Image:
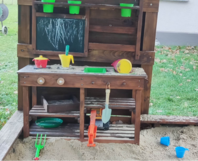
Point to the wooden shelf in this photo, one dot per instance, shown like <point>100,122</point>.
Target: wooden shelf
<point>114,103</point>
<point>115,132</point>
<point>89,5</point>
<point>41,112</point>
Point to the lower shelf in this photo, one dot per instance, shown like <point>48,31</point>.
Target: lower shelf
<point>116,132</point>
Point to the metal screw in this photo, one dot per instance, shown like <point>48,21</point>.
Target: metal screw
<point>22,50</point>
<point>92,82</point>
<point>150,57</point>
<point>139,80</point>
<point>151,4</point>
<point>124,83</point>
<point>81,78</point>
<point>81,84</point>
<point>24,82</point>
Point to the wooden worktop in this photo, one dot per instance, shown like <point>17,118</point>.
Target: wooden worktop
<point>79,70</point>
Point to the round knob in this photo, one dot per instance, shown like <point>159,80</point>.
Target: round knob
<point>60,81</point>
<point>40,80</point>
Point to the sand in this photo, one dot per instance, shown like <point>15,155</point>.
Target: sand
<point>149,148</point>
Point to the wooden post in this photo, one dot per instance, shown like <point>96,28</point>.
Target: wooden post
<point>26,108</point>
<point>82,104</point>
<point>132,112</point>
<point>137,116</point>
<point>34,96</point>
<point>23,37</point>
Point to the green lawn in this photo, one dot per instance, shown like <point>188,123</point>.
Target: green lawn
<point>174,85</point>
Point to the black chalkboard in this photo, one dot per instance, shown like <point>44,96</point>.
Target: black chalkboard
<point>53,34</point>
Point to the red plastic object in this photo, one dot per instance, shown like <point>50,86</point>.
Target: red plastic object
<point>40,63</point>
<point>36,158</point>
<point>114,64</point>
<point>92,129</point>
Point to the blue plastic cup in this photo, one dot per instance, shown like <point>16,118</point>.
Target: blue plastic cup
<point>165,140</point>
<point>180,151</point>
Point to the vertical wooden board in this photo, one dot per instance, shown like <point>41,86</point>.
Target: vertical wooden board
<point>137,116</point>
<point>82,119</point>
<point>148,45</point>
<point>23,37</point>
<point>34,96</point>
<point>26,108</point>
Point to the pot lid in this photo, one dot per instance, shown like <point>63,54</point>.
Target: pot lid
<point>41,58</point>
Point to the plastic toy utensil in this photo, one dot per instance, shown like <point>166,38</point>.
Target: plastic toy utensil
<point>39,146</point>
<point>67,50</point>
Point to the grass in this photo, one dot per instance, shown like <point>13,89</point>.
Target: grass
<point>174,84</point>
<point>8,67</point>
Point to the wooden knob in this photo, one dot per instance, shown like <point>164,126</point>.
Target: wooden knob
<point>40,80</point>
<point>60,81</point>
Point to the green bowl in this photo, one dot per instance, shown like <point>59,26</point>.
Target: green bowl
<point>95,70</point>
<point>49,122</point>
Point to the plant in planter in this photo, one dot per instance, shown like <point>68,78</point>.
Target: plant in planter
<point>48,8</point>
<point>74,9</point>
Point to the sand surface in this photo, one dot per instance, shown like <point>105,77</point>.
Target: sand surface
<point>149,148</point>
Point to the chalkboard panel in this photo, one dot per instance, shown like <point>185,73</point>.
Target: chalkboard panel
<point>53,34</point>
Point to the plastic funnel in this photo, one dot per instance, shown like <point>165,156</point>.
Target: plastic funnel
<point>180,151</point>
<point>74,9</point>
<point>165,140</point>
<point>126,12</point>
<point>48,8</point>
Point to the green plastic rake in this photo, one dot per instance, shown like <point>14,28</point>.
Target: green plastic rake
<point>39,146</point>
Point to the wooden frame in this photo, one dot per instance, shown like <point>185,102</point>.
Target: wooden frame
<point>86,32</point>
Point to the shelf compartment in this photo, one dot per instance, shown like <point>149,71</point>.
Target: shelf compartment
<point>116,132</point>
<point>39,111</point>
<point>114,103</point>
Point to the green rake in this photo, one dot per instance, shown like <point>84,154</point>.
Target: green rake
<point>39,146</point>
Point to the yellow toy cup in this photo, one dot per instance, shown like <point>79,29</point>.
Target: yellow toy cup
<point>66,59</point>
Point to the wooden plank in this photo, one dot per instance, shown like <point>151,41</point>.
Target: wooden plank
<point>169,120</point>
<point>139,31</point>
<point>151,5</point>
<point>148,44</point>
<point>137,116</point>
<point>113,29</point>
<point>33,27</point>
<point>112,2</point>
<point>116,47</point>
<point>23,37</point>
<point>146,57</point>
<point>10,132</point>
<point>26,108</point>
<point>86,39</point>
<point>34,96</point>
<point>54,15</point>
<point>82,119</point>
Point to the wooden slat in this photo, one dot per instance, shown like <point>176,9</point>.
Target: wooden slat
<point>10,132</point>
<point>53,15</point>
<point>86,39</point>
<point>112,29</point>
<point>112,2</point>
<point>41,112</point>
<point>82,118</point>
<point>117,47</point>
<point>146,57</point>
<point>169,120</point>
<point>26,108</point>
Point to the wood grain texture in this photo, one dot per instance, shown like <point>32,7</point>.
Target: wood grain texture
<point>137,116</point>
<point>34,96</point>
<point>86,38</point>
<point>26,108</point>
<point>148,44</point>
<point>10,132</point>
<point>82,117</point>
<point>151,6</point>
<point>116,47</point>
<point>146,57</point>
<point>23,37</point>
<point>112,29</point>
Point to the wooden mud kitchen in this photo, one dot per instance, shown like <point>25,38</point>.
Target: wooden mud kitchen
<point>104,31</point>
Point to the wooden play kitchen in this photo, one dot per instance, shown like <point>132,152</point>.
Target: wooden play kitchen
<point>101,33</point>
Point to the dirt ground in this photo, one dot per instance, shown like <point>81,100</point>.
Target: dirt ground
<point>149,148</point>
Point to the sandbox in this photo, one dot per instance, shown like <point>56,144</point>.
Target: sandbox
<point>149,148</point>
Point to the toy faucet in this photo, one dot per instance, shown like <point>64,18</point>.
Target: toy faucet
<point>66,58</point>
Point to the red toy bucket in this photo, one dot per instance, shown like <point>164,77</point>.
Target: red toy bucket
<point>114,64</point>
<point>41,62</point>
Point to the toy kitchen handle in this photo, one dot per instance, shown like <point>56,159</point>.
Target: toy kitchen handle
<point>72,58</point>
<point>107,96</point>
